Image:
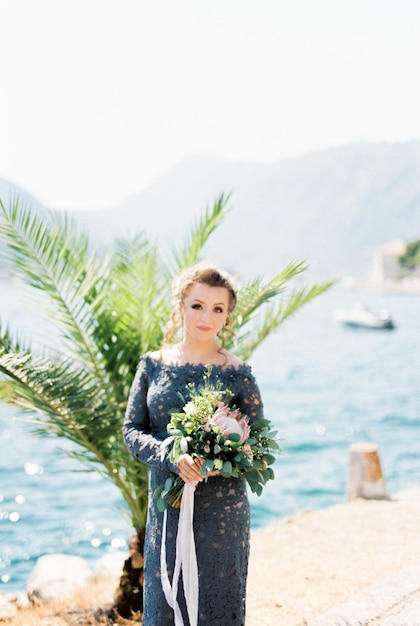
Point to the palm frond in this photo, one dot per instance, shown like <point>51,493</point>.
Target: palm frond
<point>53,258</point>
<point>138,305</point>
<point>274,314</point>
<point>201,232</point>
<point>257,293</point>
<point>63,401</point>
<point>66,397</point>
<point>145,282</point>
<point>11,342</point>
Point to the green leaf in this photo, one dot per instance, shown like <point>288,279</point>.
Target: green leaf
<point>161,505</point>
<point>201,232</point>
<point>226,469</point>
<point>252,441</point>
<point>269,458</point>
<point>207,466</point>
<point>168,484</point>
<point>158,491</point>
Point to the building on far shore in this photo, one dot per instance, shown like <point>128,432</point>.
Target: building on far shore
<point>386,265</point>
<point>387,273</point>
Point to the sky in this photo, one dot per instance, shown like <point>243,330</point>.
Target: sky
<point>98,98</point>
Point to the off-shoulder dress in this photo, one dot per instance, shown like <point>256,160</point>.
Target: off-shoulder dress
<point>221,509</point>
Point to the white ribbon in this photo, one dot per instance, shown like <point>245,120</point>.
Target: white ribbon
<point>185,559</point>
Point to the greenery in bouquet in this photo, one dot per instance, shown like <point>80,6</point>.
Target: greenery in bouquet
<point>210,428</point>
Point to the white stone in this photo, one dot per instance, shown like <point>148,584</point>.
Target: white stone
<point>8,609</point>
<point>57,577</point>
<point>110,565</point>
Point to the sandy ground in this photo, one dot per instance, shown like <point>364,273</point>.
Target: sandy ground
<point>299,567</point>
<point>307,564</point>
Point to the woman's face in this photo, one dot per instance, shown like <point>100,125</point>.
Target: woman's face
<point>204,311</point>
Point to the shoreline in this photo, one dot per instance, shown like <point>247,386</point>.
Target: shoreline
<point>300,567</point>
<point>389,287</point>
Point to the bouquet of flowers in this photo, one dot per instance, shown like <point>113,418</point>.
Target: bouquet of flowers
<point>208,427</point>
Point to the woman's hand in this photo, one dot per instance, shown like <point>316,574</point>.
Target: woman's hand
<point>190,469</point>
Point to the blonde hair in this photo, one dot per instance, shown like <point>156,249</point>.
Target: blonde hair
<point>203,273</point>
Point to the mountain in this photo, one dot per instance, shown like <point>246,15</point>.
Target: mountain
<point>10,191</point>
<point>332,208</point>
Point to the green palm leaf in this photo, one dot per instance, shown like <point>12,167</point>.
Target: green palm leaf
<point>257,292</point>
<point>201,232</point>
<point>63,400</point>
<point>111,306</point>
<point>263,306</point>
<point>53,258</point>
<point>271,316</point>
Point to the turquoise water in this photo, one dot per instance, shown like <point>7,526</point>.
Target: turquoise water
<point>323,386</point>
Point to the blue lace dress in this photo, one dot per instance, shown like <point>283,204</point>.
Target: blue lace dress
<point>221,508</point>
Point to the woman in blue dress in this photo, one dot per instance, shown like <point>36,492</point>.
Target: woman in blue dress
<point>205,297</point>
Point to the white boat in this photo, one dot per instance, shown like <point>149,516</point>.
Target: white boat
<point>359,316</point>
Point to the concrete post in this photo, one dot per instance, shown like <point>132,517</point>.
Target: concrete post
<point>365,479</point>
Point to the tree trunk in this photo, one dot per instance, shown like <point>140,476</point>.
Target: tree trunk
<point>128,598</point>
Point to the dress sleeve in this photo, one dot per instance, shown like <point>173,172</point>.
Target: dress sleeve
<point>250,401</point>
<point>137,428</point>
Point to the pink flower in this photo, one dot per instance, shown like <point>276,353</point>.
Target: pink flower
<point>248,451</point>
<point>229,422</point>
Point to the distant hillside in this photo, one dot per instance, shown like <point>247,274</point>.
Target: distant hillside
<point>332,207</point>
<point>9,191</point>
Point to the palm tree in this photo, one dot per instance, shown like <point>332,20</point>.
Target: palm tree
<point>109,306</point>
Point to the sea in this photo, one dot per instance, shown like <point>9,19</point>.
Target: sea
<point>324,387</point>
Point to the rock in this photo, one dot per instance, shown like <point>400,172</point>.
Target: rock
<point>57,577</point>
<point>110,566</point>
<point>8,609</point>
